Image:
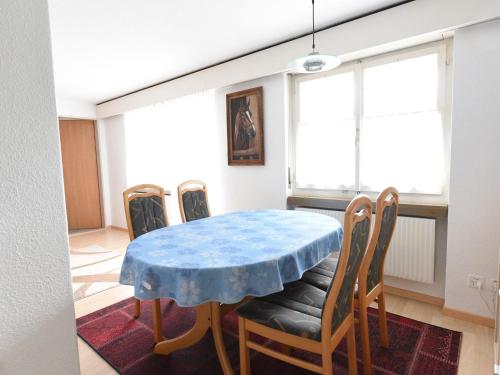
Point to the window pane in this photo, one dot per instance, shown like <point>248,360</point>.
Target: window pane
<point>401,87</point>
<point>325,156</point>
<point>405,151</point>
<point>325,143</point>
<point>327,99</point>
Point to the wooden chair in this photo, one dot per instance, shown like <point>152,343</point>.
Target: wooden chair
<point>370,286</point>
<point>193,200</point>
<point>145,211</point>
<point>303,316</point>
<point>371,272</point>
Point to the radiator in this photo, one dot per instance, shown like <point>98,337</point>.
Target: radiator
<point>411,253</point>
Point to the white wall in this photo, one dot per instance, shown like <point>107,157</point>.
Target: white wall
<point>256,187</point>
<point>137,149</point>
<point>75,109</point>
<point>474,214</point>
<point>37,326</point>
<point>111,133</point>
<point>411,23</point>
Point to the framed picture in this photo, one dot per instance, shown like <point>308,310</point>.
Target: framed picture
<point>245,127</point>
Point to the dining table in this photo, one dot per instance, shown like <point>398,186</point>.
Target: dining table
<point>216,263</point>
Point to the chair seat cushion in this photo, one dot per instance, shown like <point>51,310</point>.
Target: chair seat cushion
<point>293,305</point>
<point>315,279</point>
<point>321,271</point>
<point>295,310</point>
<point>329,264</point>
<point>321,275</point>
<point>322,282</point>
<point>303,293</point>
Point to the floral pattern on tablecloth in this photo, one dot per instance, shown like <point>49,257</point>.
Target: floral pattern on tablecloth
<point>225,258</point>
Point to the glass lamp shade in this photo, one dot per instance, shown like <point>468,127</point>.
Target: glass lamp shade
<point>314,63</point>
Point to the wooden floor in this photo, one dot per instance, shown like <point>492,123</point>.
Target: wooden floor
<point>476,357</point>
<point>111,239</point>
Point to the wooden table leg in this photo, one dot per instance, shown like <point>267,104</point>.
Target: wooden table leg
<point>227,308</point>
<point>189,338</point>
<point>215,312</point>
<point>157,321</point>
<point>137,308</point>
<point>207,315</point>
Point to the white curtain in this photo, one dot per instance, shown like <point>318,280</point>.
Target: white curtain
<point>175,141</point>
<point>398,106</point>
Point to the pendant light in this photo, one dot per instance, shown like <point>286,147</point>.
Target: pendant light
<point>314,62</point>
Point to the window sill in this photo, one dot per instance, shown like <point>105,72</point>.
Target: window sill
<point>433,211</point>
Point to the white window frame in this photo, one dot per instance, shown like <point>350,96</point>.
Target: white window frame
<point>444,50</point>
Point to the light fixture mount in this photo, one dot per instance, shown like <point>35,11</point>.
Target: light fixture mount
<point>314,62</point>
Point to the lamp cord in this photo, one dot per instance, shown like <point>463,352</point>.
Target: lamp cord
<point>314,44</point>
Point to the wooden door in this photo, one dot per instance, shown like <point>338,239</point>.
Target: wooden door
<point>81,176</point>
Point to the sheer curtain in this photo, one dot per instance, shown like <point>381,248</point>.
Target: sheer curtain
<point>401,129</point>
<point>175,141</point>
<point>325,139</point>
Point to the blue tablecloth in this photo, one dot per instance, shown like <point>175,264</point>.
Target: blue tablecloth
<point>225,258</point>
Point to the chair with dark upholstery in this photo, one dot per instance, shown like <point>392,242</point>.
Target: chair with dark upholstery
<point>309,318</point>
<point>371,272</point>
<point>370,286</point>
<point>145,211</point>
<point>193,200</point>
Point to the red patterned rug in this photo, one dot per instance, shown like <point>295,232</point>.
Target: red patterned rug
<point>126,344</point>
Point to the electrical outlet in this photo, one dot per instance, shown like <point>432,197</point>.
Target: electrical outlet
<point>475,281</point>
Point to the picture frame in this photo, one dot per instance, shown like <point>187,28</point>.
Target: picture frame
<point>245,127</point>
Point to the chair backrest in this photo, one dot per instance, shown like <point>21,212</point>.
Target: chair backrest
<point>339,296</point>
<point>193,200</point>
<point>371,272</point>
<point>144,209</point>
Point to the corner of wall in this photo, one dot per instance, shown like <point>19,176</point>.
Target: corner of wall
<point>77,109</point>
<point>473,221</point>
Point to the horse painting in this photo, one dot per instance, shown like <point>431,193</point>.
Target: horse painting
<point>244,126</point>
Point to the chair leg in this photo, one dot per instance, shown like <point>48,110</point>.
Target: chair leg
<point>351,351</point>
<point>286,349</point>
<point>326,359</point>
<point>382,319</point>
<point>244,351</point>
<point>365,338</point>
<point>137,308</point>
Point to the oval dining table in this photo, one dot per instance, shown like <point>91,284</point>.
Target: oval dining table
<point>214,264</point>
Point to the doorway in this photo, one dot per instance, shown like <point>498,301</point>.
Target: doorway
<point>81,174</point>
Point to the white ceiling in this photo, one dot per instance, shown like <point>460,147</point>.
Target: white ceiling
<point>106,48</point>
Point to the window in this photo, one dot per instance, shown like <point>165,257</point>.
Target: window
<point>325,132</point>
<point>374,123</point>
